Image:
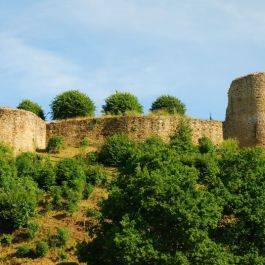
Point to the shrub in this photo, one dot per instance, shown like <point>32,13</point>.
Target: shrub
<point>71,104</point>
<point>62,236</point>
<point>95,175</point>
<point>23,251</point>
<point>71,177</point>
<point>7,169</point>
<point>116,150</point>
<point>70,171</point>
<point>41,249</point>
<point>88,191</point>
<point>170,104</point>
<point>182,139</point>
<point>37,167</point>
<point>32,230</point>
<point>5,150</point>
<point>18,202</point>
<point>93,213</point>
<point>206,145</point>
<point>120,103</point>
<point>91,158</point>
<point>32,107</point>
<point>84,142</point>
<point>55,144</point>
<point>6,239</point>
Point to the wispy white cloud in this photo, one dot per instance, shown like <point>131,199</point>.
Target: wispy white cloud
<point>31,65</point>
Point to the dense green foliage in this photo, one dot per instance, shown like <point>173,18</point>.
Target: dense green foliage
<point>70,104</point>
<point>38,168</point>
<point>121,103</point>
<point>170,104</point>
<point>30,179</point>
<point>55,144</point>
<point>28,105</point>
<point>18,202</point>
<point>41,249</point>
<point>179,203</point>
<point>116,150</point>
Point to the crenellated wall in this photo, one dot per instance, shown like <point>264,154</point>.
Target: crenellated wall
<point>139,128</point>
<point>22,130</point>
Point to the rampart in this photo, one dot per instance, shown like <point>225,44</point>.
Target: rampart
<point>245,121</point>
<point>139,128</point>
<point>22,130</point>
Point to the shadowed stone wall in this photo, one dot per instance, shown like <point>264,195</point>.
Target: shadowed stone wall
<point>139,128</point>
<point>22,130</point>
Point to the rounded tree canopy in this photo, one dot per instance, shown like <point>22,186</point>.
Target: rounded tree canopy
<point>28,105</point>
<point>72,103</point>
<point>120,103</point>
<point>170,104</point>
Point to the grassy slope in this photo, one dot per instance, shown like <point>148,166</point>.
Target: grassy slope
<point>77,224</point>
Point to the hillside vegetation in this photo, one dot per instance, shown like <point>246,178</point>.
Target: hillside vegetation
<point>133,203</point>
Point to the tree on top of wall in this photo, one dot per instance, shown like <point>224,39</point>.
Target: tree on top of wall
<point>28,105</point>
<point>72,103</point>
<point>122,103</point>
<point>169,104</point>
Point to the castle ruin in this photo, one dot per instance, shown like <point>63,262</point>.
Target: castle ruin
<point>245,121</point>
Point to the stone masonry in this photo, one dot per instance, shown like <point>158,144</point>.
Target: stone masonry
<point>245,121</point>
<point>245,115</point>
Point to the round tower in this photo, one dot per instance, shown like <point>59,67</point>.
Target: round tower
<point>245,114</point>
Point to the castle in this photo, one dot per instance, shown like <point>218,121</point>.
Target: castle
<point>245,121</point>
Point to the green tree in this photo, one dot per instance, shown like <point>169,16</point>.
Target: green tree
<point>72,104</point>
<point>28,105</point>
<point>18,203</point>
<point>120,103</point>
<point>156,213</point>
<point>182,139</point>
<point>206,145</point>
<point>38,168</point>
<point>116,150</point>
<point>170,104</point>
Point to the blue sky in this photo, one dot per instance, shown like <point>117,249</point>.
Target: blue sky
<point>192,49</point>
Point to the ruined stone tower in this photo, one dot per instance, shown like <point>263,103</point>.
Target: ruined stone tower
<point>245,115</point>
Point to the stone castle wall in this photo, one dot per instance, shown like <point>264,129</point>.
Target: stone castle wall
<point>139,128</point>
<point>22,130</point>
<point>245,121</point>
<point>245,115</point>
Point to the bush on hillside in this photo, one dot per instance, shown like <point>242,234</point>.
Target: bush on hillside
<point>182,139</point>
<point>206,145</point>
<point>170,104</point>
<point>28,105</point>
<point>116,150</point>
<point>24,251</point>
<point>41,249</point>
<point>120,103</point>
<point>95,174</point>
<point>37,167</point>
<point>18,202</point>
<point>71,179</point>
<point>55,144</point>
<point>61,237</point>
<point>32,230</point>
<point>8,170</point>
<point>72,104</point>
